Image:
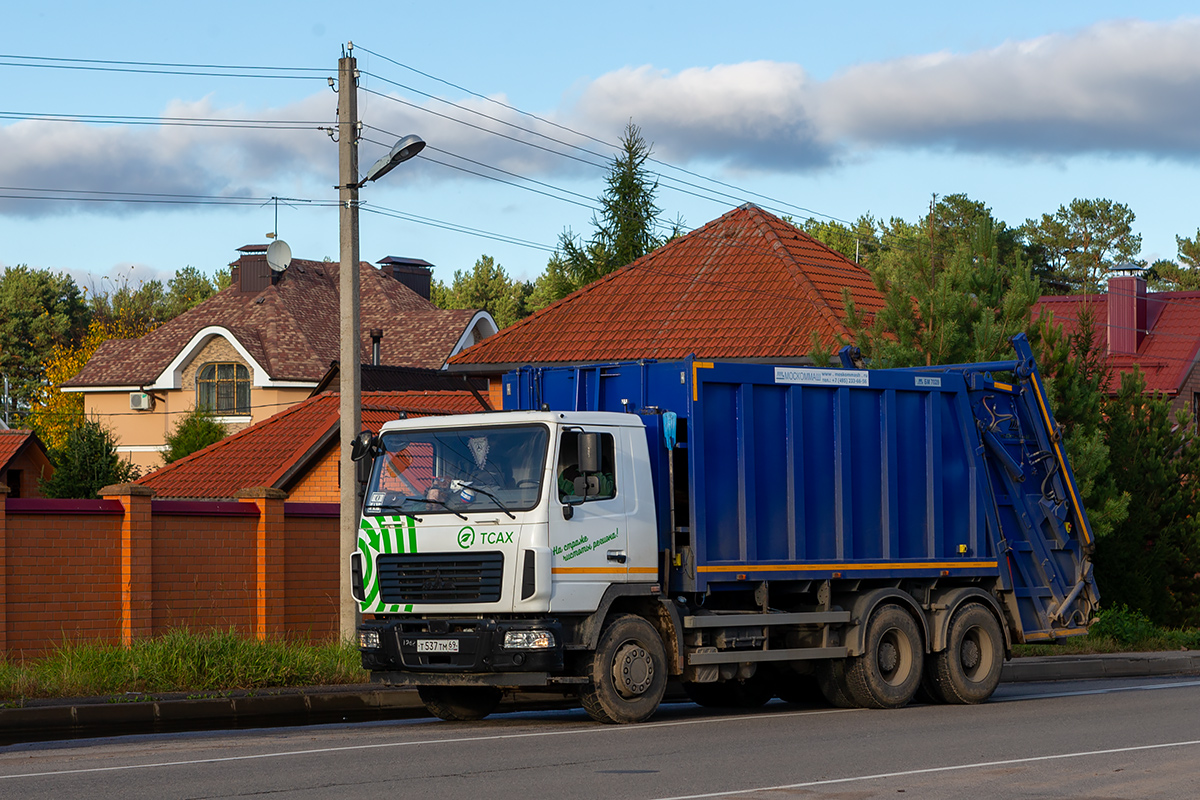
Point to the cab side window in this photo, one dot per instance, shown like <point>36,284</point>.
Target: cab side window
<point>574,486</point>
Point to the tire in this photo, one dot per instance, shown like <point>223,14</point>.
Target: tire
<point>888,673</point>
<point>628,672</point>
<point>831,680</point>
<point>460,703</point>
<point>968,670</point>
<point>754,692</point>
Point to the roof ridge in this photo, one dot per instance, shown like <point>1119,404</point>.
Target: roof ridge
<point>798,275</point>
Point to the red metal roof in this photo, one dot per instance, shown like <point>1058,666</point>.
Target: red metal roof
<point>276,449</point>
<point>1170,345</point>
<point>747,285</point>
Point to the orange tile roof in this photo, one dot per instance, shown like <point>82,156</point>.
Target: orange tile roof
<point>271,452</point>
<point>12,442</point>
<point>1171,344</point>
<point>290,328</point>
<point>747,285</point>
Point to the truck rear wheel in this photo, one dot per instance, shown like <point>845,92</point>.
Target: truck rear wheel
<point>888,672</point>
<point>628,672</point>
<point>968,670</point>
<point>831,680</point>
<point>460,703</point>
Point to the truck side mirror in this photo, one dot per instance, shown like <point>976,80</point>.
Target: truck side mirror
<point>589,453</point>
<point>364,445</point>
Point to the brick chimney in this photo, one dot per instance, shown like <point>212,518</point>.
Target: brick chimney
<point>1126,313</point>
<point>412,272</point>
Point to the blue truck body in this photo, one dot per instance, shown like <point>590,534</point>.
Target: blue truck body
<point>784,473</point>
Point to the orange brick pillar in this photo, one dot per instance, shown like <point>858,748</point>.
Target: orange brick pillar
<point>136,571</point>
<point>268,617</point>
<point>3,573</point>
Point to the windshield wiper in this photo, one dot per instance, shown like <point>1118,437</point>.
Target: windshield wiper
<point>441,503</point>
<point>489,494</point>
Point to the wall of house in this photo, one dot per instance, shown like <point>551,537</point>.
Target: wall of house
<point>129,566</point>
<point>142,435</point>
<point>33,467</point>
<point>1183,400</point>
<point>321,483</point>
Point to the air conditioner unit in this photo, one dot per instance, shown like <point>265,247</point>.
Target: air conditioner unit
<point>141,401</point>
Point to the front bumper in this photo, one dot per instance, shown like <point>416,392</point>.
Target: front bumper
<point>457,646</point>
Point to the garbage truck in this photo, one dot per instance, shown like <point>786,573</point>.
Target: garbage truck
<point>740,530</point>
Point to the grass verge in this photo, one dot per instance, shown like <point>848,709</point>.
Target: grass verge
<point>1117,630</point>
<point>179,661</point>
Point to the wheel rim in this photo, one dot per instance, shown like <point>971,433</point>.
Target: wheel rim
<point>894,657</point>
<point>976,654</point>
<point>633,670</point>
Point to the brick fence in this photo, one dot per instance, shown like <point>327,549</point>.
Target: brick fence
<point>129,566</point>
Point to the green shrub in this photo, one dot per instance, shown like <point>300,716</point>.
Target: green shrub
<point>1123,626</point>
<point>194,431</point>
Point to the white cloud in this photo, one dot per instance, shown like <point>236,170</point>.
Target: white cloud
<point>1123,88</point>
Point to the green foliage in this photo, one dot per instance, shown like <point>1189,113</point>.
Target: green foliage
<point>1122,626</point>
<point>180,661</point>
<point>486,287</point>
<point>38,310</point>
<point>194,431</point>
<point>149,303</point>
<point>1151,560</point>
<point>623,232</point>
<point>1184,276</point>
<point>950,297</point>
<point>86,463</point>
<point>858,242</point>
<point>1084,241</point>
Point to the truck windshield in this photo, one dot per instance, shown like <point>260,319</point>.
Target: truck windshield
<point>457,470</point>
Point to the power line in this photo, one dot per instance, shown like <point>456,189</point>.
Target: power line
<point>191,122</point>
<point>162,68</point>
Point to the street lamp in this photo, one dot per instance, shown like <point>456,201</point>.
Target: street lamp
<point>350,386</point>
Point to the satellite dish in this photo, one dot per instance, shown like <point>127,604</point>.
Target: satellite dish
<point>279,255</point>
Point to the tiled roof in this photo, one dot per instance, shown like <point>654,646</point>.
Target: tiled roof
<point>271,451</point>
<point>747,285</point>
<point>1171,344</point>
<point>12,443</point>
<point>290,328</point>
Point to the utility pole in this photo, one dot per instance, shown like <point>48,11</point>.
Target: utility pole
<point>349,369</point>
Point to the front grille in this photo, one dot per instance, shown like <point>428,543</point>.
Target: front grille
<point>440,577</point>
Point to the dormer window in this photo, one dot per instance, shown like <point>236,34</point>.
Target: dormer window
<point>224,389</point>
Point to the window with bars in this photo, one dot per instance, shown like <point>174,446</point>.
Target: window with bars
<point>223,388</point>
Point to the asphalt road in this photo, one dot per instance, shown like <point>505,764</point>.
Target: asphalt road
<point>1132,738</point>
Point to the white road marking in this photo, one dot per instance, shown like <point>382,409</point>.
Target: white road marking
<point>601,729</point>
<point>930,770</point>
<point>1082,692</point>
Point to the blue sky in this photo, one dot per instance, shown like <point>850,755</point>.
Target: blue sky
<point>832,109</point>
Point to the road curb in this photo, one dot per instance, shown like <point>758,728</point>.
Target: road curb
<point>145,714</point>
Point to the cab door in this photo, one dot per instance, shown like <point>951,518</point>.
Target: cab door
<point>588,535</point>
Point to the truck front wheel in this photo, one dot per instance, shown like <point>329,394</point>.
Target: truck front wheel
<point>968,670</point>
<point>628,672</point>
<point>460,703</point>
<point>888,673</point>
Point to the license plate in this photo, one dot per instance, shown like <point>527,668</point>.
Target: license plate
<point>437,645</point>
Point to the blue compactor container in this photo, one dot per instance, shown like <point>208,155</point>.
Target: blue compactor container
<point>933,481</point>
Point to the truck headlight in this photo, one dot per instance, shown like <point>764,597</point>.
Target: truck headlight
<point>368,640</point>
<point>528,640</point>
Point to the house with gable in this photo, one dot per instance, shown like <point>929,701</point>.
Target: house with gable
<point>264,344</point>
<point>23,463</point>
<point>1158,332</point>
<point>747,286</point>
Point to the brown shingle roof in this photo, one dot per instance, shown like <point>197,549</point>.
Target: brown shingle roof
<point>271,452</point>
<point>290,328</point>
<point>745,286</point>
